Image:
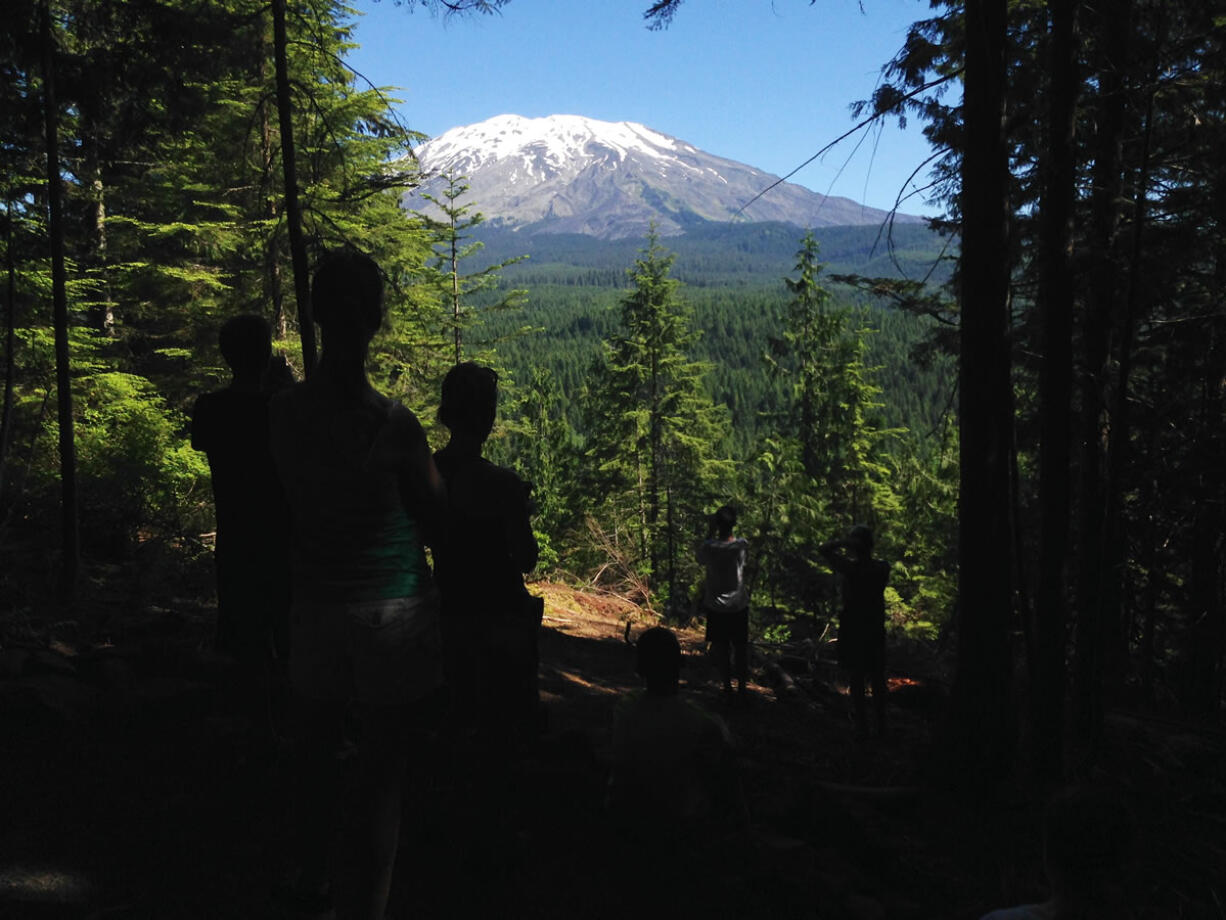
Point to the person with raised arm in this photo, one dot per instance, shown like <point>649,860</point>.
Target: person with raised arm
<point>861,647</point>
<point>725,598</point>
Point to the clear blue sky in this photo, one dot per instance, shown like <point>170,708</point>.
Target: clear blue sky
<point>765,82</point>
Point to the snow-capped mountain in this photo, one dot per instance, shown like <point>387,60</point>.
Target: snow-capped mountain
<point>570,174</point>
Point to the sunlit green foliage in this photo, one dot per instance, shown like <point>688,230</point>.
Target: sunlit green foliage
<point>175,224</point>
<point>634,413</point>
<point>652,432</point>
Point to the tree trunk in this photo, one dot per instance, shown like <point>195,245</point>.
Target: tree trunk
<point>1148,563</point>
<point>103,312</point>
<point>10,346</point>
<point>1055,391</point>
<point>274,289</point>
<point>455,287</point>
<point>1021,576</point>
<point>671,550</point>
<point>1112,624</point>
<point>653,487</point>
<point>70,535</point>
<point>983,727</point>
<point>293,212</point>
<point>1112,26</point>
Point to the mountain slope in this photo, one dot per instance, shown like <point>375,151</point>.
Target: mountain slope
<point>569,174</point>
<point>715,255</point>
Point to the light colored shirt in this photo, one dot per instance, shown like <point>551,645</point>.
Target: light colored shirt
<point>724,585</point>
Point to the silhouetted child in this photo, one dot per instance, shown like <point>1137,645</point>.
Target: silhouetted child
<point>251,556</point>
<point>861,647</point>
<point>725,598</point>
<point>1087,838</point>
<point>673,770</point>
<point>364,499</point>
<point>674,802</point>
<point>490,621</point>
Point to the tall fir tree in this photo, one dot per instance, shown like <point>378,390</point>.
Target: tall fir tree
<point>834,399</point>
<point>453,244</point>
<point>543,449</point>
<point>824,466</point>
<point>653,432</point>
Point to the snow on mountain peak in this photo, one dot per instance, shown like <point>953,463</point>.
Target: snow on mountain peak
<point>554,139</point>
<point>571,174</point>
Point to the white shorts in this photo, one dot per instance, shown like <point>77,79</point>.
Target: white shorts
<point>382,652</point>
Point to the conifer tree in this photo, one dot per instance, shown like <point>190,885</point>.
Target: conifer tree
<point>653,430</point>
<point>452,244</point>
<point>825,467</point>
<point>833,396</point>
<point>543,448</point>
<point>173,223</point>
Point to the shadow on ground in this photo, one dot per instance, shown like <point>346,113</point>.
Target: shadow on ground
<point>127,792</point>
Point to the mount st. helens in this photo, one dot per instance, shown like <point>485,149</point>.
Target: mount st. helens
<point>570,174</point>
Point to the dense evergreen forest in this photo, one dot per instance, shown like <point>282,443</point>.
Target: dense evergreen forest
<point>1024,401</point>
<point>572,306</point>
<point>167,236</point>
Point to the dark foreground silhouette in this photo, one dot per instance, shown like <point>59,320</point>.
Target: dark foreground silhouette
<point>490,621</point>
<point>862,623</point>
<point>231,427</point>
<point>364,499</point>
<point>125,794</point>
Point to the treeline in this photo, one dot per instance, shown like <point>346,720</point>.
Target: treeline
<point>751,255</point>
<point>647,408</point>
<point>735,329</point>
<point>170,159</point>
<point>1082,163</point>
<point>143,186</point>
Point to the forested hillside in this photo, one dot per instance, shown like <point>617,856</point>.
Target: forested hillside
<point>736,326</point>
<point>173,218</point>
<point>732,281</point>
<point>1027,410</point>
<point>723,255</point>
<point>167,236</point>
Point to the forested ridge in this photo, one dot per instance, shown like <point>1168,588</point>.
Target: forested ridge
<point>167,236</point>
<point>1025,401</point>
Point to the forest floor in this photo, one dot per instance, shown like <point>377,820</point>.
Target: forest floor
<point>126,792</point>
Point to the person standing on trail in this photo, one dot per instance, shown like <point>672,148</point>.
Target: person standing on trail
<point>725,598</point>
<point>487,546</point>
<point>231,427</point>
<point>364,499</point>
<point>862,624</point>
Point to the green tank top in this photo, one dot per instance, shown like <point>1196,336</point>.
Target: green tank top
<point>351,539</point>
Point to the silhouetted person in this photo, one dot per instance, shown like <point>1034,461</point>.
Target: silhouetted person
<point>673,769</point>
<point>861,646</point>
<point>490,621</point>
<point>725,598</point>
<point>231,427</point>
<point>364,496</point>
<point>1087,839</point>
